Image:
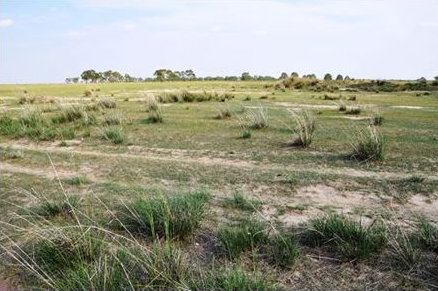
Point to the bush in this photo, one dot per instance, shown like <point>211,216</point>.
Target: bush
<point>113,134</point>
<point>170,216</point>
<point>304,128</point>
<point>351,239</point>
<point>368,145</point>
<point>247,235</point>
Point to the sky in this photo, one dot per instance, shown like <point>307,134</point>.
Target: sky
<point>48,41</point>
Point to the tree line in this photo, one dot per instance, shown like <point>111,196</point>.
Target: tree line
<point>92,76</point>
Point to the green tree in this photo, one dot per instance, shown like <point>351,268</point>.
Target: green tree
<point>90,75</point>
<point>347,78</point>
<point>339,77</point>
<point>245,76</point>
<point>328,77</point>
<point>160,74</point>
<point>294,75</point>
<point>283,75</point>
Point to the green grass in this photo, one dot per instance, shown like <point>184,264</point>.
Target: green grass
<point>427,235</point>
<point>239,201</point>
<point>175,216</point>
<point>113,134</point>
<point>352,239</point>
<point>283,250</point>
<point>367,145</point>
<point>52,208</point>
<point>246,235</point>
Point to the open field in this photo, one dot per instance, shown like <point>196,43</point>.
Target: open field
<point>115,150</point>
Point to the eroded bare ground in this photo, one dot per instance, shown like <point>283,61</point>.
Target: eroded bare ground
<point>296,204</point>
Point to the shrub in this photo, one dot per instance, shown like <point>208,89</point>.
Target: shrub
<point>247,235</point>
<point>258,117</point>
<point>303,128</point>
<point>113,134</point>
<point>170,216</point>
<point>368,145</point>
<point>353,110</point>
<point>106,103</point>
<point>351,239</point>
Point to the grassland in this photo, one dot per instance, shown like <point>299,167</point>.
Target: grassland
<point>186,203</point>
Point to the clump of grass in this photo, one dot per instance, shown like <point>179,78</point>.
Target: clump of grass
<point>63,143</point>
<point>26,100</point>
<point>154,109</point>
<point>32,117</point>
<point>246,134</point>
<point>427,235</point>
<point>88,93</point>
<point>114,134</point>
<point>69,113</point>
<point>263,97</point>
<point>367,145</point>
<point>174,216</point>
<point>11,153</point>
<point>247,235</point>
<point>76,180</point>
<point>331,97</point>
<point>353,110</point>
<point>106,103</point>
<point>247,98</point>
<point>239,201</point>
<point>304,128</point>
<point>112,117</point>
<point>403,249</point>
<point>283,250</point>
<point>376,119</point>
<point>257,117</point>
<point>342,107</point>
<point>223,113</point>
<point>63,207</point>
<point>352,98</point>
<point>351,239</point>
<point>235,278</point>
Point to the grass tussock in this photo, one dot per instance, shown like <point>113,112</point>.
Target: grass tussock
<point>154,109</point>
<point>106,103</point>
<point>239,201</point>
<point>174,216</point>
<point>356,110</point>
<point>376,119</point>
<point>427,235</point>
<point>70,113</point>
<point>246,235</point>
<point>223,113</point>
<point>188,96</point>
<point>112,117</point>
<point>367,144</point>
<point>257,118</point>
<point>113,134</point>
<point>303,128</point>
<point>352,239</point>
<point>60,207</point>
<point>283,250</point>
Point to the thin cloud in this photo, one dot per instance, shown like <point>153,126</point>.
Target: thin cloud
<point>6,22</point>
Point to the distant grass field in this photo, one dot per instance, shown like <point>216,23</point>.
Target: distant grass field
<point>301,213</point>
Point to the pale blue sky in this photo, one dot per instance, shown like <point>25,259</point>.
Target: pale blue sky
<point>47,41</point>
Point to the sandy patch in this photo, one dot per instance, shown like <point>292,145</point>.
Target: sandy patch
<point>356,117</point>
<point>425,205</point>
<point>409,107</point>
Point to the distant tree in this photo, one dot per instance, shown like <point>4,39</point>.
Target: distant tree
<point>294,75</point>
<point>189,74</point>
<point>68,80</point>
<point>347,78</point>
<point>339,77</point>
<point>89,75</point>
<point>422,80</point>
<point>160,74</point>
<point>245,76</point>
<point>128,78</point>
<point>328,77</point>
<point>436,78</point>
<point>283,75</point>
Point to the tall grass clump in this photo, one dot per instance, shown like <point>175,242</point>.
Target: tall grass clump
<point>427,235</point>
<point>51,208</point>
<point>303,128</point>
<point>112,117</point>
<point>283,250</point>
<point>234,278</point>
<point>69,113</point>
<point>246,235</point>
<point>376,119</point>
<point>356,110</point>
<point>257,118</point>
<point>154,109</point>
<point>403,249</point>
<point>223,113</point>
<point>352,239</point>
<point>239,201</point>
<point>106,103</point>
<point>367,144</point>
<point>113,134</point>
<point>174,216</point>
